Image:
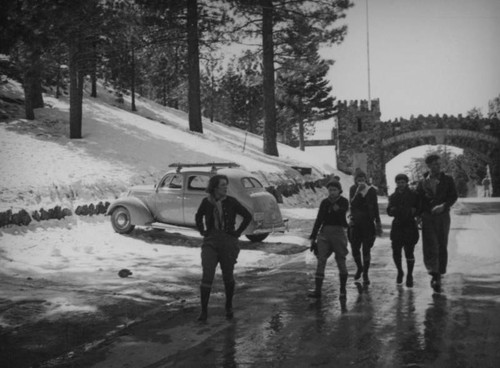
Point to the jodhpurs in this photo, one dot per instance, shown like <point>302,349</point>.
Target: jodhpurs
<point>332,239</point>
<point>218,247</point>
<point>362,238</point>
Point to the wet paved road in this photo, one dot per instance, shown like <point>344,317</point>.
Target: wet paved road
<point>276,325</point>
<point>382,325</point>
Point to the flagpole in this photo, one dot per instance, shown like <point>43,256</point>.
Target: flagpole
<point>368,57</point>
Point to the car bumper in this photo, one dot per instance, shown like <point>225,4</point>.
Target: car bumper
<point>281,228</point>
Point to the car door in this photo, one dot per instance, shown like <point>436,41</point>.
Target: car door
<point>196,184</point>
<point>169,199</point>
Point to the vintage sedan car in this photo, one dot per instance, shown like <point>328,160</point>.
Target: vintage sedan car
<point>175,199</point>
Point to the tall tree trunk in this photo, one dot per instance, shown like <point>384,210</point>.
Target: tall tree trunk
<point>132,87</point>
<point>75,93</point>
<point>93,72</point>
<point>252,118</point>
<point>212,97</point>
<point>301,134</point>
<point>37,88</point>
<point>28,94</point>
<point>164,93</point>
<point>32,84</point>
<point>194,102</point>
<point>58,81</point>
<point>36,65</point>
<point>174,102</point>
<point>270,145</point>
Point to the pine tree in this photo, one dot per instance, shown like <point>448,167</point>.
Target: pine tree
<point>305,93</point>
<point>267,18</point>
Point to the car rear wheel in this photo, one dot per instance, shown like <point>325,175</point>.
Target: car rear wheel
<point>120,220</point>
<point>256,237</point>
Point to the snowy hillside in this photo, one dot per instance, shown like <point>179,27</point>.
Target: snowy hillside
<point>41,165</point>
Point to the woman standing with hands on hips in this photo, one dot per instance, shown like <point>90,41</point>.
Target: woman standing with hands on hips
<point>220,239</point>
<point>329,236</point>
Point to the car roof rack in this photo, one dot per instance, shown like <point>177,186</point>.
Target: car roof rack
<point>214,165</point>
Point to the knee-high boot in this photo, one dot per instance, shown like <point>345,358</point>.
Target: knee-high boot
<point>366,267</point>
<point>343,282</point>
<point>397,261</point>
<point>316,293</point>
<point>229,288</point>
<point>204,296</point>
<point>409,277</point>
<point>359,266</point>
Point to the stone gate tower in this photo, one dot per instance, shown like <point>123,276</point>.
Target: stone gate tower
<point>359,140</point>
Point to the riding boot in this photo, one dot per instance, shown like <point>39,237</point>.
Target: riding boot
<point>399,266</point>
<point>316,293</point>
<point>204,296</point>
<point>366,267</point>
<point>343,281</point>
<point>436,282</point>
<point>409,277</point>
<point>359,270</point>
<point>229,287</point>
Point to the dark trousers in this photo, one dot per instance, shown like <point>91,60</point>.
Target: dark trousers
<point>362,238</point>
<point>435,230</point>
<point>218,248</point>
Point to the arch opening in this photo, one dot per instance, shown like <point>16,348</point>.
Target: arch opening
<point>401,162</point>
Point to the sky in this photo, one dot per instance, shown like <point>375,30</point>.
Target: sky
<point>426,56</point>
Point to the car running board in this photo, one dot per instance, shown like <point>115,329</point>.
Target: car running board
<point>162,226</point>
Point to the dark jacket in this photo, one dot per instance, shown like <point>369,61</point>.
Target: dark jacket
<point>364,209</point>
<point>445,193</point>
<point>328,216</point>
<point>230,208</point>
<point>403,207</point>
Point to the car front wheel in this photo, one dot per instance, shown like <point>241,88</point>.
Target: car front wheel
<point>120,220</point>
<point>257,237</point>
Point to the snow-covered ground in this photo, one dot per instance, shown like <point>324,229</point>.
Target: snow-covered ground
<point>42,167</point>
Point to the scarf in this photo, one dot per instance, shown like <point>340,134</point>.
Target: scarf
<point>218,216</point>
<point>365,191</point>
<point>331,203</point>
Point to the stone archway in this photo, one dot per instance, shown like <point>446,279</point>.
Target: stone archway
<point>365,142</point>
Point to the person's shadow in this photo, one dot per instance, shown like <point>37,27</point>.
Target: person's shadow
<point>408,334</point>
<point>229,347</point>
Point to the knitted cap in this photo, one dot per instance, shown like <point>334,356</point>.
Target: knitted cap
<point>335,184</point>
<point>402,177</point>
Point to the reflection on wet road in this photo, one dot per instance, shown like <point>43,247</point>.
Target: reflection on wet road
<point>381,325</point>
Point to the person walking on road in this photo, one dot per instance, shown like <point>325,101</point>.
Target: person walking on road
<point>215,220</point>
<point>364,224</point>
<point>329,237</point>
<point>404,230</point>
<point>436,194</point>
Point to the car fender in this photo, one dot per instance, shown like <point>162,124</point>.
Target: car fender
<point>139,212</point>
